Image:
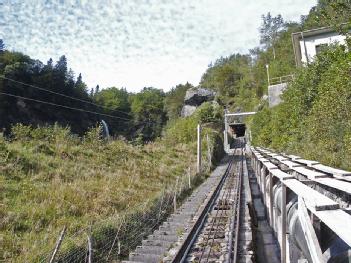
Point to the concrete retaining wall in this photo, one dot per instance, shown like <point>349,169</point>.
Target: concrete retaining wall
<point>274,93</point>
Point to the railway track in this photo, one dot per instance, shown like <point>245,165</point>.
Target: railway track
<point>215,235</point>
<point>206,228</point>
<point>217,238</point>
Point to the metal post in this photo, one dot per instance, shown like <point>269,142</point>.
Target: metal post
<point>175,195</point>
<point>199,148</point>
<point>209,152</point>
<point>267,67</point>
<point>90,250</point>
<point>258,170</point>
<point>175,202</point>
<point>262,171</point>
<point>271,199</point>
<point>283,227</point>
<point>226,131</point>
<point>58,244</point>
<point>264,185</point>
<point>189,177</point>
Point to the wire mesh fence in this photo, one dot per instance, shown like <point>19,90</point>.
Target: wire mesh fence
<point>112,240</point>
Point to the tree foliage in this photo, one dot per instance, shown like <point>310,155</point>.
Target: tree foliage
<point>40,81</point>
<point>174,100</point>
<point>314,119</point>
<point>2,45</point>
<point>270,29</point>
<point>148,110</point>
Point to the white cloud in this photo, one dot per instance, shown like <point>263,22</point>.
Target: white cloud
<point>138,43</point>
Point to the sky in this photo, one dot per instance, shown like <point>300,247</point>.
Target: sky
<point>138,43</point>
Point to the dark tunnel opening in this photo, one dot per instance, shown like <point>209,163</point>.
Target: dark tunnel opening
<point>238,129</point>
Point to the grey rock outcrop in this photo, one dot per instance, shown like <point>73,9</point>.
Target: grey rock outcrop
<point>188,110</point>
<point>194,98</point>
<point>197,96</point>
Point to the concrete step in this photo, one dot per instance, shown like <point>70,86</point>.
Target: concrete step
<point>154,242</point>
<point>171,238</point>
<point>166,233</point>
<point>146,258</point>
<point>150,250</point>
<point>172,229</point>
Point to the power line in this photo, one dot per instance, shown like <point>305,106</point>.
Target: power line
<point>63,95</point>
<point>63,106</point>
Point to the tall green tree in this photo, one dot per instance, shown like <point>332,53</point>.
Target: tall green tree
<point>148,110</point>
<point>60,74</point>
<point>270,29</point>
<point>114,99</point>
<point>174,100</point>
<point>80,86</point>
<point>227,75</point>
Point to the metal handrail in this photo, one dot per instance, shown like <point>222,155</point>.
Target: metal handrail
<point>281,79</point>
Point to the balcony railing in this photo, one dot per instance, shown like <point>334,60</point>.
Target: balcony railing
<point>282,79</point>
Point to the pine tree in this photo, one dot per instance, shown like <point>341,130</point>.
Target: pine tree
<point>61,65</point>
<point>79,79</point>
<point>80,85</point>
<point>2,45</point>
<point>50,63</point>
<point>97,89</point>
<point>60,74</point>
<point>70,79</point>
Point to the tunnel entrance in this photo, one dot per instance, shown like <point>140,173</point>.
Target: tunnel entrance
<point>238,129</point>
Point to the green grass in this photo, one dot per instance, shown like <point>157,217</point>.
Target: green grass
<point>50,178</point>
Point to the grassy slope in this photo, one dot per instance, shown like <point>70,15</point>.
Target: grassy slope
<point>50,178</point>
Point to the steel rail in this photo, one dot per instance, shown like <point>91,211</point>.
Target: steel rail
<point>216,220</point>
<point>226,189</point>
<point>237,221</point>
<point>234,226</point>
<point>182,253</point>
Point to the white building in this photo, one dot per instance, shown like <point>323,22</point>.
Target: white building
<point>306,45</point>
<point>309,43</point>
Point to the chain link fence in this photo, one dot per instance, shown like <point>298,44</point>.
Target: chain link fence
<point>113,239</point>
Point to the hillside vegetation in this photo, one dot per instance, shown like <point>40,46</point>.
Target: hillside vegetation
<point>51,178</point>
<point>314,119</point>
<point>36,93</point>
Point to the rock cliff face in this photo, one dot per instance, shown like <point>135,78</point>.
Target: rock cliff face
<point>194,98</point>
<point>197,96</point>
<point>188,110</point>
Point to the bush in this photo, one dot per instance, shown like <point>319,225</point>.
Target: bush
<point>209,112</point>
<point>315,118</point>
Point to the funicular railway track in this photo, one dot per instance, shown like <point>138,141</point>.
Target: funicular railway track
<point>209,220</point>
<point>214,237</point>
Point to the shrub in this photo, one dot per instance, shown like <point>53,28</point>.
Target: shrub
<point>314,119</point>
<point>209,112</point>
